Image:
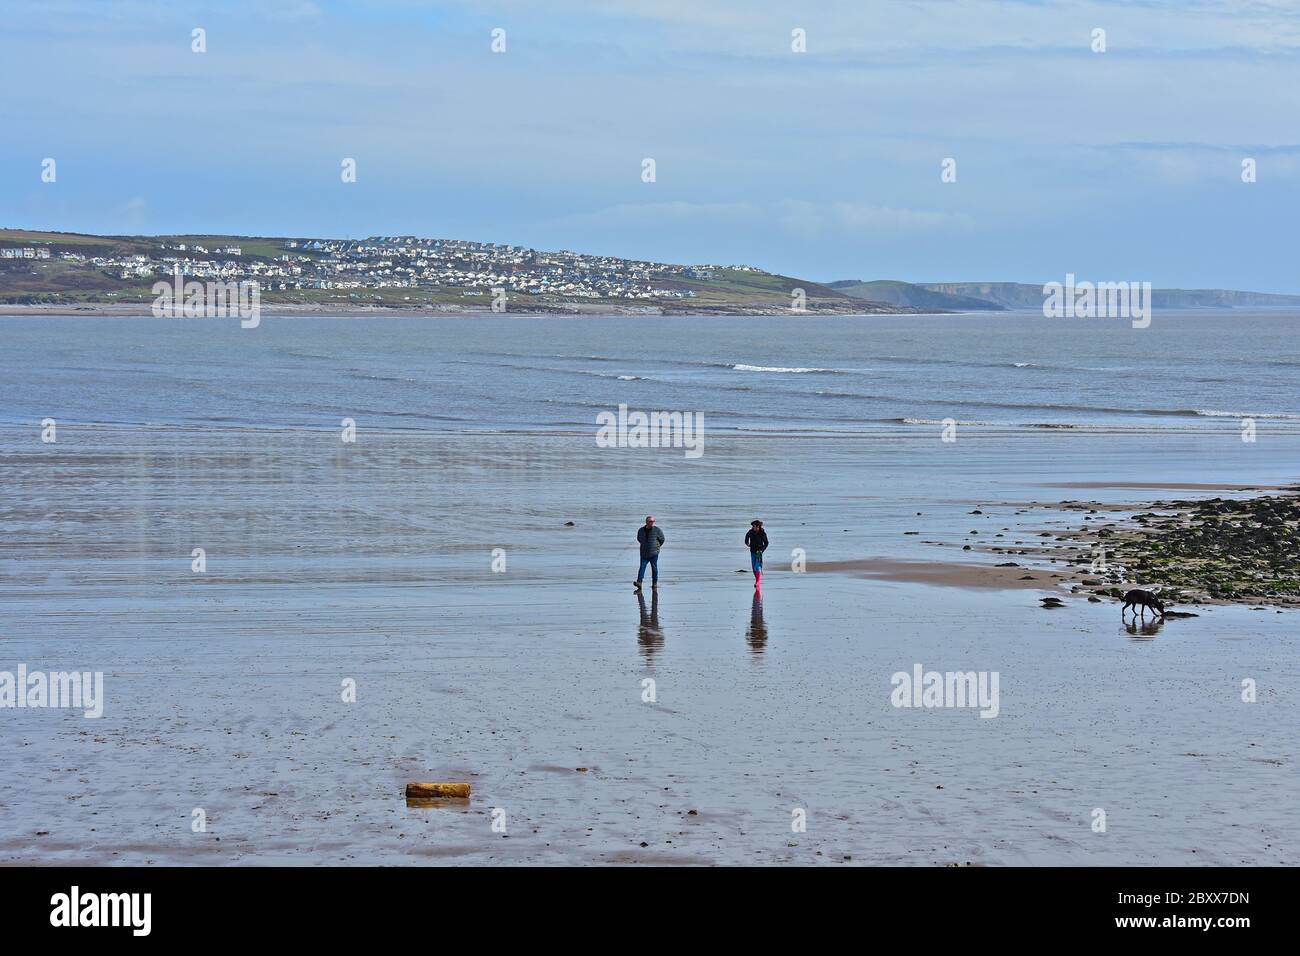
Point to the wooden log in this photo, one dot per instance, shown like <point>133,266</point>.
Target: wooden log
<point>418,790</point>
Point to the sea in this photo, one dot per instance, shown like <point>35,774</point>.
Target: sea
<point>837,374</point>
<point>319,559</point>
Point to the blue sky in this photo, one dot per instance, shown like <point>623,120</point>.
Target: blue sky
<point>824,165</point>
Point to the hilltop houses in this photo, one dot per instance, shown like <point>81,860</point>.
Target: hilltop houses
<point>399,262</point>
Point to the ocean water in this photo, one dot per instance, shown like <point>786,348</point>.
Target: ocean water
<point>1192,370</point>
<point>374,562</point>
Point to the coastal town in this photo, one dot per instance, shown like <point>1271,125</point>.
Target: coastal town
<point>391,262</point>
<point>382,271</point>
<point>51,271</point>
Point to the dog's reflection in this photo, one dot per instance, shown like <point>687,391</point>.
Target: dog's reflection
<point>756,633</point>
<point>1143,629</point>
<point>649,635</point>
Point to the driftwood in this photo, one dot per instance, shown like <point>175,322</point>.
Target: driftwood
<point>424,790</point>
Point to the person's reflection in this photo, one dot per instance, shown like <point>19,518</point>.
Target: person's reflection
<point>1143,629</point>
<point>756,634</point>
<point>649,635</point>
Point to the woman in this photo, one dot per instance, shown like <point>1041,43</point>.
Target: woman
<point>756,541</point>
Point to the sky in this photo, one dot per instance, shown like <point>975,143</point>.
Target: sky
<point>826,164</point>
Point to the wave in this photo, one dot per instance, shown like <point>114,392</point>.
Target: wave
<point>772,368</point>
<point>1062,407</point>
<point>811,429</point>
<point>1211,413</point>
<point>936,421</point>
<point>920,361</point>
<point>1066,368</point>
<point>368,377</point>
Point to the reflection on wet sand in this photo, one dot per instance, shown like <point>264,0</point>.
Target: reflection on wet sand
<point>1143,628</point>
<point>649,634</point>
<point>433,803</point>
<point>756,634</point>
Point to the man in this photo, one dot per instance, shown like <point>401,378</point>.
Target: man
<point>756,541</point>
<point>651,540</point>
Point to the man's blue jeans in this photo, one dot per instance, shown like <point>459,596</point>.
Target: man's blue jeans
<point>653,561</point>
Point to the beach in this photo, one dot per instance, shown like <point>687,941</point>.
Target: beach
<point>372,562</point>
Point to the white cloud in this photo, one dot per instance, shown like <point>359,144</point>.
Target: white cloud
<point>820,219</point>
<point>796,217</point>
<point>847,27</point>
<point>650,214</point>
<point>133,212</point>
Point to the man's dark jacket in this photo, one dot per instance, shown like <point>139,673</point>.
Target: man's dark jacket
<point>650,539</point>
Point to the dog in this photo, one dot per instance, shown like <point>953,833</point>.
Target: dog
<point>1138,598</point>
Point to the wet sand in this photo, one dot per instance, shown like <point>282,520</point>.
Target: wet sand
<point>943,573</point>
<point>1167,485</point>
<point>373,562</point>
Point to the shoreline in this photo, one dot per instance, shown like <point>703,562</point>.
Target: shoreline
<point>862,307</point>
<point>344,310</point>
<point>1175,547</point>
